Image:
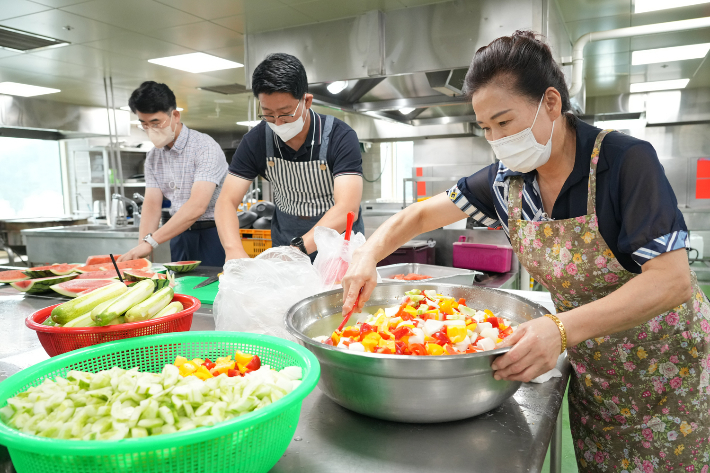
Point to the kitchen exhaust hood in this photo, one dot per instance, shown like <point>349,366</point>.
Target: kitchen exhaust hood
<point>405,66</point>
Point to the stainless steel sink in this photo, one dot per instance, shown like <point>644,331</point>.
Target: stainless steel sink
<point>73,244</point>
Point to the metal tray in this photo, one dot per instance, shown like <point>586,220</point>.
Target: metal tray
<point>440,274</point>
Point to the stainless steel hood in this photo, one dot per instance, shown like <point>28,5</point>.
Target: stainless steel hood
<point>45,119</point>
<point>405,66</point>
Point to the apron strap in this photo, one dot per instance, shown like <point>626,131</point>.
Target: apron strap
<point>592,183</point>
<point>325,137</point>
<point>515,202</point>
<point>269,141</point>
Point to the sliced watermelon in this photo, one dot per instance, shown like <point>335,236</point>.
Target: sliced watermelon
<point>132,264</point>
<point>49,271</point>
<point>76,287</point>
<point>108,274</point>
<point>182,266</point>
<point>36,286</point>
<point>98,259</point>
<point>140,274</point>
<point>13,275</point>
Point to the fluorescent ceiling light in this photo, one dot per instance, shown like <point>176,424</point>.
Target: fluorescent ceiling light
<point>128,109</point>
<point>621,124</point>
<point>196,62</point>
<point>406,110</point>
<point>641,6</point>
<point>676,53</point>
<point>24,90</point>
<point>251,123</point>
<point>659,85</point>
<point>337,86</point>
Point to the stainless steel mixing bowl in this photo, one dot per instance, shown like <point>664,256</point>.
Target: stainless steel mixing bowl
<point>408,388</point>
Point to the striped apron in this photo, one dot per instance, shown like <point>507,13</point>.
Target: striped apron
<point>303,191</point>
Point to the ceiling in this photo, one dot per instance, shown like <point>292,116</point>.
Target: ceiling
<point>115,38</point>
<point>608,69</point>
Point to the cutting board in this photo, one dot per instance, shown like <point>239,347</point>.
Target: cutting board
<point>206,295</point>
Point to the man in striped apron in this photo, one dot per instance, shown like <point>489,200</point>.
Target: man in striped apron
<point>312,162</point>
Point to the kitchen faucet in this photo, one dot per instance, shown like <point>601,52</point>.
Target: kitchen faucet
<point>117,221</point>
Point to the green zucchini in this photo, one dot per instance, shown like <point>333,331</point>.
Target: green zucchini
<point>135,295</point>
<point>170,309</point>
<point>72,309</point>
<point>151,306</point>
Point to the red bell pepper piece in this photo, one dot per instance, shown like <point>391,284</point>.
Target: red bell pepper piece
<point>329,341</point>
<point>400,348</point>
<point>401,332</point>
<point>493,321</point>
<point>208,364</point>
<point>254,364</point>
<point>232,373</point>
<point>462,301</point>
<point>365,329</point>
<point>384,350</point>
<point>385,335</point>
<point>506,332</point>
<point>441,337</point>
<point>450,350</point>
<point>351,332</point>
<point>418,349</point>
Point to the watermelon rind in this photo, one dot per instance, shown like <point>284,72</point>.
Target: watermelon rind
<point>14,275</point>
<point>182,268</point>
<point>99,259</point>
<point>137,274</point>
<point>50,271</point>
<point>40,285</point>
<point>77,287</point>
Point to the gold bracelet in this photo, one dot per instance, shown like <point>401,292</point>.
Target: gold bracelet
<point>563,332</point>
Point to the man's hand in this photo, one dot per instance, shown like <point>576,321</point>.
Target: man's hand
<point>141,251</point>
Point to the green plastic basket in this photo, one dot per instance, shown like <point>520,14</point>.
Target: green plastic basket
<point>253,442</point>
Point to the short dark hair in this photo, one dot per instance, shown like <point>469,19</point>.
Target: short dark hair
<point>280,72</point>
<point>152,97</point>
<point>525,62</point>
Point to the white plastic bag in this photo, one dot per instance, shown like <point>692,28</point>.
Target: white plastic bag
<point>255,294</point>
<point>334,255</point>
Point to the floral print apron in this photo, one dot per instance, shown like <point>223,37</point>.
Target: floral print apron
<point>639,398</point>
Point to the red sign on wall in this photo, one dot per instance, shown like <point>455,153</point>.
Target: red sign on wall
<point>702,181</point>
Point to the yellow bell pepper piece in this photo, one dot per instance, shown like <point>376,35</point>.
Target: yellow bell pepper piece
<point>371,341</point>
<point>335,337</point>
<point>387,344</point>
<point>179,361</point>
<point>427,338</point>
<point>224,365</point>
<point>498,340</point>
<point>187,368</point>
<point>203,373</point>
<point>242,358</point>
<point>434,349</point>
<point>456,333</point>
<point>410,310</point>
<point>446,307</point>
<point>198,361</point>
<point>489,313</point>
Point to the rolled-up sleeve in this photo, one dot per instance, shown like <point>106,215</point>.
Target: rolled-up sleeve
<point>473,196</point>
<point>651,223</point>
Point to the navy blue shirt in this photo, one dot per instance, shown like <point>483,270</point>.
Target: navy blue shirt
<point>637,209</point>
<point>343,155</point>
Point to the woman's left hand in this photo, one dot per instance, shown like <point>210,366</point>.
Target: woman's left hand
<point>536,347</point>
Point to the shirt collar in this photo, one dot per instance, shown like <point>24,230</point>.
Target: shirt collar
<point>181,141</point>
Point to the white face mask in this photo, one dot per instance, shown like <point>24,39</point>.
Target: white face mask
<point>161,137</point>
<point>288,130</point>
<point>521,152</point>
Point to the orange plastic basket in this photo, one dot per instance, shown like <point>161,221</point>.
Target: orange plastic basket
<point>58,340</point>
<point>255,242</point>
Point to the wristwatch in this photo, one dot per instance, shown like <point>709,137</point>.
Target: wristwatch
<point>298,243</point>
<point>150,240</point>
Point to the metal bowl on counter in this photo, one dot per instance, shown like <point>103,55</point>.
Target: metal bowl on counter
<point>408,388</point>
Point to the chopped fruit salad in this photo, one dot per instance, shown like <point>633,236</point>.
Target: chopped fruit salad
<point>411,277</point>
<point>426,323</point>
<point>118,404</point>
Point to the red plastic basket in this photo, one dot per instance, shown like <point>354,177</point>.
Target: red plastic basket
<point>58,340</point>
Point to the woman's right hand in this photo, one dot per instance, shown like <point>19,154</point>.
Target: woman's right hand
<point>361,278</point>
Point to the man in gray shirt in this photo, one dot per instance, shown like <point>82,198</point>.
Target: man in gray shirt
<point>187,168</point>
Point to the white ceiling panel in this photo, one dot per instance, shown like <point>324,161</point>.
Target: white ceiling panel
<point>235,53</point>
<point>48,67</point>
<point>235,23</point>
<point>139,46</point>
<point>199,36</point>
<point>209,9</point>
<point>14,8</point>
<point>58,3</point>
<point>280,17</point>
<point>134,15</point>
<point>54,23</point>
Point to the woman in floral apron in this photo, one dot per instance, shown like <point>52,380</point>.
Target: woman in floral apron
<point>592,217</point>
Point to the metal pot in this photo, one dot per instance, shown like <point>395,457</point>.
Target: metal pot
<point>264,209</point>
<point>263,223</point>
<point>246,219</point>
<point>408,388</point>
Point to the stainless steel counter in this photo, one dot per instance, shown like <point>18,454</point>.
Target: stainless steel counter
<point>512,438</point>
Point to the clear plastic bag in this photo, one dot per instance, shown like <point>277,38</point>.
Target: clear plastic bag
<point>255,294</point>
<point>334,255</point>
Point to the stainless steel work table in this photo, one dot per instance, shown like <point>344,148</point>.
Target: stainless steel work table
<point>512,438</point>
